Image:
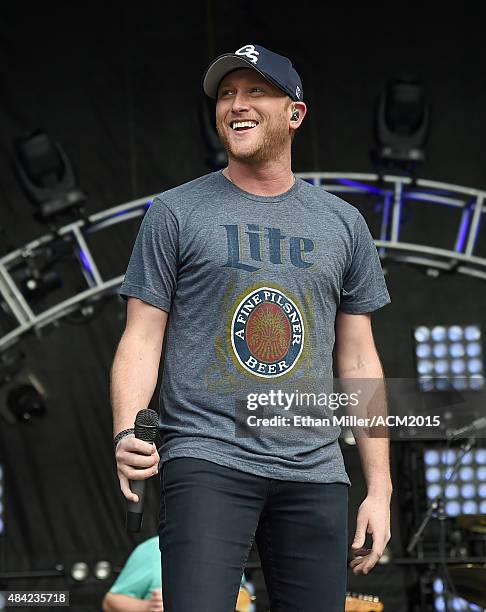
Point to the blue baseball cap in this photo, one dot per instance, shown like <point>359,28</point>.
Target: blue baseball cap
<point>275,68</point>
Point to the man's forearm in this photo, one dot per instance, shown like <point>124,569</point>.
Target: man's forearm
<point>374,451</point>
<point>116,602</point>
<point>375,459</point>
<point>133,379</point>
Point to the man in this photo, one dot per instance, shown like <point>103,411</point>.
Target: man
<point>260,273</point>
<point>138,587</point>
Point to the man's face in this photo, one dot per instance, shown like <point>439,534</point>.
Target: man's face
<point>244,95</point>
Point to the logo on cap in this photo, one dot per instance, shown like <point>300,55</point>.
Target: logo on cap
<point>249,51</point>
<point>298,92</point>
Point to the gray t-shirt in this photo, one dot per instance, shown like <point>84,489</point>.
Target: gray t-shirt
<point>252,284</point>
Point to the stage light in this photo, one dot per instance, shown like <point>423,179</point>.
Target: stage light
<point>455,603</point>
<point>25,402</point>
<point>466,493</point>
<point>423,350</point>
<point>35,283</point>
<point>451,491</point>
<point>79,571</point>
<point>47,175</point>
<point>469,507</point>
<point>433,491</point>
<point>102,570</point>
<point>453,508</point>
<point>401,124</point>
<point>432,474</point>
<point>466,473</point>
<point>449,357</point>
<point>431,457</point>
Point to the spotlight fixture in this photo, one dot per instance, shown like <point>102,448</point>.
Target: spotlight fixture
<point>46,175</point>
<point>102,570</point>
<point>80,571</point>
<point>464,494</point>
<point>449,357</point>
<point>26,401</point>
<point>402,123</point>
<point>36,283</point>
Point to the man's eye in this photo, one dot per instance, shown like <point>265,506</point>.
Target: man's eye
<point>225,92</point>
<point>257,89</point>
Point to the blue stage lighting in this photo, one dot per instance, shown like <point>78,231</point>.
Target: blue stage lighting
<point>451,491</point>
<point>453,508</point>
<point>458,357</point>
<point>432,457</point>
<point>466,492</point>
<point>456,350</point>
<point>432,474</point>
<point>455,603</point>
<point>423,351</point>
<point>440,350</point>
<point>469,507</point>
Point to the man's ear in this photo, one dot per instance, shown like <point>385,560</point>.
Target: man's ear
<point>297,112</point>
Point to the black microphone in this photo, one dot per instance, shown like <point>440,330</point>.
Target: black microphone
<point>472,428</point>
<point>146,423</point>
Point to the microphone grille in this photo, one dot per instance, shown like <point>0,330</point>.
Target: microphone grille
<point>146,423</point>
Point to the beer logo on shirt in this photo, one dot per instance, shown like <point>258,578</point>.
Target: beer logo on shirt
<point>267,332</point>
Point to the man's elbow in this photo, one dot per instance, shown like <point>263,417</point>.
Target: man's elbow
<point>107,604</point>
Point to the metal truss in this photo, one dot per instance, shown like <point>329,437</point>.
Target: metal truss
<point>391,191</point>
<point>394,192</point>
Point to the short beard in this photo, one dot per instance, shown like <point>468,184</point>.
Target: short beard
<point>275,139</point>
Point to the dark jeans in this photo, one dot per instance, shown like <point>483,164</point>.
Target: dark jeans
<point>209,516</point>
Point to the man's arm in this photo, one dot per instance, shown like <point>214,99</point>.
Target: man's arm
<point>116,602</point>
<point>133,380</point>
<point>357,357</point>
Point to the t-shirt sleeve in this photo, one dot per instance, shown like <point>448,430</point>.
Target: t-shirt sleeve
<point>135,579</point>
<point>364,288</point>
<point>151,275</point>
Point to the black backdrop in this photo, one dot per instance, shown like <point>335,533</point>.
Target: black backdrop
<point>118,85</point>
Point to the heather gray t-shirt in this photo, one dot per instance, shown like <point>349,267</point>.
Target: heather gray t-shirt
<point>252,284</point>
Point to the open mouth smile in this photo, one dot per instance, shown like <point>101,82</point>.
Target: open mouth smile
<point>243,126</point>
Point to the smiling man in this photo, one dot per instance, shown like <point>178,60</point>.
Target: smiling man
<point>257,276</point>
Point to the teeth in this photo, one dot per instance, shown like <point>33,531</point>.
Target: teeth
<point>242,124</point>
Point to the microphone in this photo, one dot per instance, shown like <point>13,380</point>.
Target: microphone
<point>476,425</point>
<point>146,423</point>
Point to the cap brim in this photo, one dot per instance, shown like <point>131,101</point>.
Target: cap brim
<point>220,68</point>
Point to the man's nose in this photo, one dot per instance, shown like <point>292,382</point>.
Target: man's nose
<point>240,103</point>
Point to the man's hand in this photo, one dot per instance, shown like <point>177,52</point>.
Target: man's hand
<point>374,519</point>
<point>135,460</point>
<point>156,603</point>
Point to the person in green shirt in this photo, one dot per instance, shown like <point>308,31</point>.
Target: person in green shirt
<point>138,587</point>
